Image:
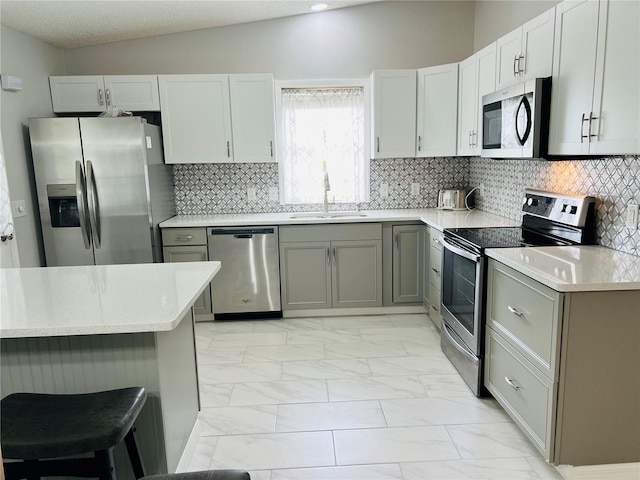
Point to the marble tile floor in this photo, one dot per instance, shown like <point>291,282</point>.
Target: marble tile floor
<point>351,398</point>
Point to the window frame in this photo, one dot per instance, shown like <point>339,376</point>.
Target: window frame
<point>363,83</point>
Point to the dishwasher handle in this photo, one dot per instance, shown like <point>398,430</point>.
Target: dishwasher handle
<point>241,232</point>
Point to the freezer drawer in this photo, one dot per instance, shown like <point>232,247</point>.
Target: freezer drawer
<point>249,280</point>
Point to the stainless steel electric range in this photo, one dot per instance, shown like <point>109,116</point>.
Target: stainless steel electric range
<point>548,219</point>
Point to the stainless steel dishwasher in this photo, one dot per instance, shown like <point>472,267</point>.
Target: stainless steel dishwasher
<point>248,284</point>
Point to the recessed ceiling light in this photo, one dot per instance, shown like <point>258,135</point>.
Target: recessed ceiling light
<point>319,6</point>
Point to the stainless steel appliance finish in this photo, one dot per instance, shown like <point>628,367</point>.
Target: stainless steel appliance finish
<point>453,200</point>
<point>248,284</point>
<point>548,219</point>
<point>515,120</point>
<point>102,189</point>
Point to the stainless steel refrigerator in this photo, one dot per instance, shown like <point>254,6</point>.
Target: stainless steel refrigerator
<point>102,187</point>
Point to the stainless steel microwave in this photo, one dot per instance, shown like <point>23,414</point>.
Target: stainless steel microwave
<point>515,120</point>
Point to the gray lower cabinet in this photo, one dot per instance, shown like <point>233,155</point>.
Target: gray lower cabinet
<point>565,367</point>
<point>407,264</point>
<point>331,266</point>
<point>189,245</point>
<point>433,277</point>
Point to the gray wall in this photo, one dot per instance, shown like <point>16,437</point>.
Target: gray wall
<point>348,42</point>
<point>495,18</point>
<point>33,61</point>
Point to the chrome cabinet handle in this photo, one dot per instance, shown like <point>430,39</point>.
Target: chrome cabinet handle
<point>434,308</point>
<point>436,270</point>
<point>107,95</point>
<point>515,68</point>
<point>377,144</point>
<point>334,255</point>
<point>582,135</point>
<point>271,147</point>
<point>512,384</point>
<point>515,311</point>
<point>328,256</point>
<point>470,144</point>
<point>475,138</point>
<point>184,238</point>
<point>228,149</point>
<point>419,143</point>
<point>397,240</point>
<point>100,100</point>
<point>520,63</point>
<point>591,118</point>
<point>436,241</point>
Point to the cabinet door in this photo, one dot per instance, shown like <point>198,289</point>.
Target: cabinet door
<point>574,60</point>
<point>356,273</point>
<point>191,253</point>
<point>537,47</point>
<point>196,118</point>
<point>437,118</point>
<point>394,113</point>
<point>616,102</point>
<point>486,77</point>
<point>305,269</point>
<point>407,264</point>
<point>134,93</point>
<point>78,93</point>
<point>508,52</point>
<point>467,105</point>
<point>252,118</point>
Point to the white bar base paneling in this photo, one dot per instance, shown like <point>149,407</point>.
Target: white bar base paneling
<point>189,448</point>
<point>616,471</point>
<point>341,312</point>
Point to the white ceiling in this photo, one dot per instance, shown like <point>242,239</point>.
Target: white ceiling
<point>79,23</point>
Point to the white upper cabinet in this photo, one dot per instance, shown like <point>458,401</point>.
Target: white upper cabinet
<point>394,113</point>
<point>252,117</point>
<point>95,93</point>
<point>196,118</point>
<point>477,78</point>
<point>527,52</point>
<point>595,101</point>
<point>437,111</point>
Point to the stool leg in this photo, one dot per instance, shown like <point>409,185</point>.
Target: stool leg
<point>134,454</point>
<point>104,459</point>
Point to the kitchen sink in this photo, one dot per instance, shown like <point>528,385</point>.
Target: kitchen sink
<point>327,214</point>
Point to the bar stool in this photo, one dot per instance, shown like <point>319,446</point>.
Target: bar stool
<point>39,428</point>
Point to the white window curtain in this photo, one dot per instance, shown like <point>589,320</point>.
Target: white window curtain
<point>323,129</point>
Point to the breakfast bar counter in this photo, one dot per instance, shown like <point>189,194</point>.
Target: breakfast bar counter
<point>91,328</point>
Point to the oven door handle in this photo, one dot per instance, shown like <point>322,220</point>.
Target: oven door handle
<point>459,251</point>
<point>463,349</point>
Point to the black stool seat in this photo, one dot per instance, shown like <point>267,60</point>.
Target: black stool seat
<point>204,475</point>
<point>37,426</point>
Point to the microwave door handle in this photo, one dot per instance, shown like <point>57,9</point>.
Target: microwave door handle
<point>524,103</point>
<point>94,206</point>
<point>81,199</point>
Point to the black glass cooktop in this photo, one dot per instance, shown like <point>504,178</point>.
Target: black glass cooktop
<point>499,237</point>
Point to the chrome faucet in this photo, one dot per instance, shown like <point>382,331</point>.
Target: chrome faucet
<point>327,187</point>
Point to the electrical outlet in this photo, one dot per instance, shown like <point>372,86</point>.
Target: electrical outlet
<point>251,194</point>
<point>18,208</point>
<point>415,189</point>
<point>274,195</point>
<point>631,216</point>
<point>384,190</point>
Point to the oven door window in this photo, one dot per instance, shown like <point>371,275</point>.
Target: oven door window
<point>459,289</point>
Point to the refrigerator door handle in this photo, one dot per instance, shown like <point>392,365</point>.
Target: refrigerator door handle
<point>94,206</point>
<point>81,199</point>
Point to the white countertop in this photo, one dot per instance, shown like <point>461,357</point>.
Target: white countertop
<point>93,300</point>
<point>439,219</point>
<point>574,269</point>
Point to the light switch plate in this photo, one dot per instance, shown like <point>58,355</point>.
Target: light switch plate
<point>415,189</point>
<point>631,216</point>
<point>18,208</point>
<point>274,194</point>
<point>251,194</point>
<point>384,190</point>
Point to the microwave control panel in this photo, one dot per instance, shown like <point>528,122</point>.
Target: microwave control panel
<point>567,209</point>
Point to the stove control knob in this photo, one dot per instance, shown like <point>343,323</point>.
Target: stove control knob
<point>532,202</point>
<point>524,201</point>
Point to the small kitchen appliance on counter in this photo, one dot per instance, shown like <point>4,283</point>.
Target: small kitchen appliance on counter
<point>548,219</point>
<point>454,199</point>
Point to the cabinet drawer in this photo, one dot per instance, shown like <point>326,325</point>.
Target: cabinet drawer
<point>184,236</point>
<point>435,268</point>
<point>523,391</point>
<point>434,299</point>
<point>328,233</point>
<point>525,312</point>
<point>435,239</point>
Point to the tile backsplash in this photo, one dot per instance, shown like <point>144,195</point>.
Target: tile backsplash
<point>614,181</point>
<point>222,188</point>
